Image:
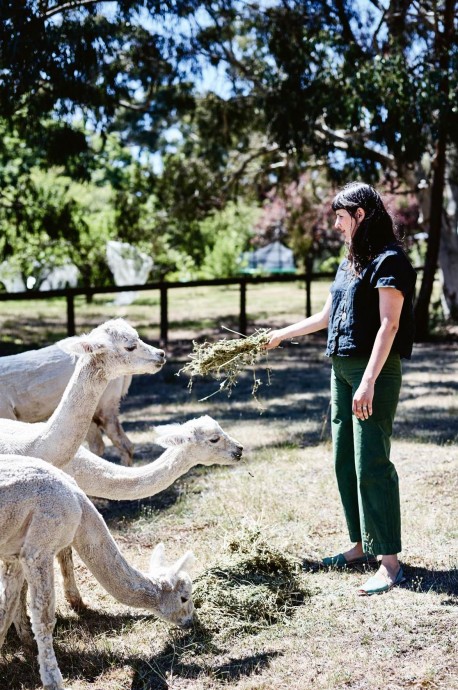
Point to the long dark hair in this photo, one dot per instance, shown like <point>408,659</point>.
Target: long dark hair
<point>374,232</point>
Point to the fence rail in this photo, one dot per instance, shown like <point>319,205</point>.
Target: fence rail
<point>243,281</point>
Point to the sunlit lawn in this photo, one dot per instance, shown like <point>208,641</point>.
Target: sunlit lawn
<point>300,628</point>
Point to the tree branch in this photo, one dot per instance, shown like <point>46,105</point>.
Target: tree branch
<point>70,5</point>
<point>346,141</point>
<point>237,174</point>
<point>378,5</point>
<point>347,32</point>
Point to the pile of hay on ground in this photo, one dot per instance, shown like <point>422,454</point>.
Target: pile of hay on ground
<point>226,359</point>
<point>254,585</point>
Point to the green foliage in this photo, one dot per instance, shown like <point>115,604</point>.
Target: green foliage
<point>73,58</point>
<point>47,219</point>
<point>226,234</point>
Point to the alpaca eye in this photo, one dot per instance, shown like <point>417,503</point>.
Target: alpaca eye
<point>130,348</point>
<point>184,600</point>
<point>215,439</point>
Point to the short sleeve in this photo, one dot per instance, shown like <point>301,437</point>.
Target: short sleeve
<point>394,271</point>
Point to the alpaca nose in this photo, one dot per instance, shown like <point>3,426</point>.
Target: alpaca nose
<point>160,356</point>
<point>237,453</point>
<point>187,623</point>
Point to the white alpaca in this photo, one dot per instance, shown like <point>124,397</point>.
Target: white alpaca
<point>42,511</point>
<point>32,384</point>
<point>109,351</point>
<point>198,441</point>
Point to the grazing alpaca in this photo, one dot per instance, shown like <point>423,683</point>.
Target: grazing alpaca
<point>42,511</point>
<point>32,384</point>
<point>198,441</point>
<point>109,351</point>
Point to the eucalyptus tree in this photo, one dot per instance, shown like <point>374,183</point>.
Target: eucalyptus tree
<point>100,60</point>
<point>367,88</point>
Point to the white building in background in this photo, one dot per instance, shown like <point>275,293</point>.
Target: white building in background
<point>129,266</point>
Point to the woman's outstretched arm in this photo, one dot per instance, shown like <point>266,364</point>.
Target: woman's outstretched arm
<point>311,324</point>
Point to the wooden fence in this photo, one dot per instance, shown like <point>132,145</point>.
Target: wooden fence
<point>243,282</point>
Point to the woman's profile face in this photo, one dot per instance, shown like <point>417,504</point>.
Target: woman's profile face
<point>345,224</point>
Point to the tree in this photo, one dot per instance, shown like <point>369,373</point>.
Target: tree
<point>48,219</point>
<point>117,65</point>
<point>368,89</point>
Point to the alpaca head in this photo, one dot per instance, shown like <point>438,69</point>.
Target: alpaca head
<point>116,350</point>
<point>175,603</point>
<point>204,438</point>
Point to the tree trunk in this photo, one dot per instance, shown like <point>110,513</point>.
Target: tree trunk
<point>448,253</point>
<point>443,43</point>
<point>432,252</point>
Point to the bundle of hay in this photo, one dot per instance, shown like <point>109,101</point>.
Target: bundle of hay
<point>253,586</point>
<point>226,359</point>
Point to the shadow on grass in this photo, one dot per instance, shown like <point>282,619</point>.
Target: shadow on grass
<point>148,674</point>
<point>299,391</point>
<point>95,622</point>
<point>22,670</point>
<point>156,673</point>
<point>417,579</point>
<point>134,509</point>
<point>424,580</point>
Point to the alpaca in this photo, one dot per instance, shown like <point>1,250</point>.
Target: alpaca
<point>197,441</point>
<point>42,510</point>
<point>32,384</point>
<point>109,351</point>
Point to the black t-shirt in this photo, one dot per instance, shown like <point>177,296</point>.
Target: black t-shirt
<point>355,316</point>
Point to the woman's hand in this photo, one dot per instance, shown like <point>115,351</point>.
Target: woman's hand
<point>362,400</point>
<point>275,340</point>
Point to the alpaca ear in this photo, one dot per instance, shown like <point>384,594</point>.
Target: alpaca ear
<point>169,435</point>
<point>82,345</point>
<point>183,563</point>
<point>157,557</point>
<point>70,346</point>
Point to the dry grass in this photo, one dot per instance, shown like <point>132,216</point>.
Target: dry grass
<point>226,359</point>
<point>268,617</point>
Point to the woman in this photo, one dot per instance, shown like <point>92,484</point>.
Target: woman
<point>369,317</point>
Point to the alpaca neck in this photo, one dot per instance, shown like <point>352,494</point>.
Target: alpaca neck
<point>98,550</point>
<point>66,429</point>
<point>103,479</point>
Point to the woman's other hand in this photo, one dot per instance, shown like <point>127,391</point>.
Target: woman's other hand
<point>362,400</point>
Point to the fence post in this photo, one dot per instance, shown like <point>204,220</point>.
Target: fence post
<point>243,319</point>
<point>164,316</point>
<point>70,315</point>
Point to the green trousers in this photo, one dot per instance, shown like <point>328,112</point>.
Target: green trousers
<point>366,478</point>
